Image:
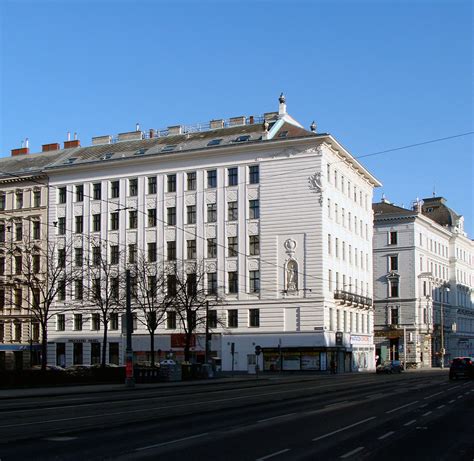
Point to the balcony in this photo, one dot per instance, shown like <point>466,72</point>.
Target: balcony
<point>347,297</point>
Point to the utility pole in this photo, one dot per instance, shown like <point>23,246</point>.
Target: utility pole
<point>129,379</point>
<point>404,347</point>
<point>206,356</point>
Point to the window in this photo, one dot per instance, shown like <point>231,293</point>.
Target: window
<point>133,187</point>
<point>17,331</point>
<point>254,174</point>
<point>254,245</point>
<point>2,201</point>
<point>171,216</point>
<point>132,253</point>
<point>254,209</point>
<point>254,277</point>
<point>211,179</point>
<point>151,250</point>
<point>152,186</point>
<point>78,257</point>
<point>394,316</point>
<point>232,246</point>
<point>2,232</point>
<point>18,264</point>
<point>254,317</point>
<point>212,319</point>
<point>114,221</point>
<point>336,247</point>
<point>171,250</point>
<point>393,238</point>
<point>191,249</point>
<point>191,180</point>
<point>393,263</point>
<point>115,288</point>
<point>191,284</point>
<point>232,176</point>
<point>62,195</point>
<point>96,223</point>
<point>211,212</point>
<point>2,266</point>
<point>114,321</point>
<point>19,199</point>
<point>96,289</point>
<point>191,214</point>
<point>329,207</point>
<point>78,322</point>
<point>171,320</point>
<point>61,257</point>
<point>212,248</point>
<point>95,322</point>
<point>36,230</point>
<point>115,189</point>
<point>232,211</point>
<point>2,298</point>
<point>212,283</point>
<point>233,318</point>
<point>171,183</point>
<point>78,289</point>
<point>330,280</point>
<point>79,224</point>
<point>36,198</point>
<point>394,288</point>
<point>60,322</point>
<point>171,284</point>
<point>329,244</point>
<point>18,296</point>
<point>97,191</point>
<point>152,217</point>
<point>214,142</point>
<point>114,254</point>
<point>133,219</point>
<point>18,231</point>
<point>233,282</point>
<point>80,193</point>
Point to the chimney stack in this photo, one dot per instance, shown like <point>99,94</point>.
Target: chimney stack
<point>50,147</point>
<point>23,150</point>
<point>282,105</point>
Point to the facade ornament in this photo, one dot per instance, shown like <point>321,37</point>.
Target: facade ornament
<point>291,276</point>
<point>315,184</point>
<point>290,247</point>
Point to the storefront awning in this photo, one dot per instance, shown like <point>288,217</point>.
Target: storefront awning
<point>20,347</point>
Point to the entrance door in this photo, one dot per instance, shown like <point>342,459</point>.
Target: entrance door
<point>251,364</point>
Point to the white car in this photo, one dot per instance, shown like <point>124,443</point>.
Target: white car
<point>168,362</point>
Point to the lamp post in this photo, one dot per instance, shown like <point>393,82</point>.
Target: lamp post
<point>129,379</point>
<point>444,288</point>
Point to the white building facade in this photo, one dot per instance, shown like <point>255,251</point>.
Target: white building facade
<point>280,216</point>
<point>423,283</point>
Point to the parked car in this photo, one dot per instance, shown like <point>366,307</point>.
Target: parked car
<point>390,366</point>
<point>167,362</point>
<point>79,370</point>
<point>462,367</point>
<point>48,368</point>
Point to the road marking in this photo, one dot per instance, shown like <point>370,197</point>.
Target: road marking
<point>343,429</point>
<point>336,403</point>
<point>423,406</point>
<point>467,393</point>
<point>273,454</point>
<point>409,423</point>
<point>433,395</point>
<point>275,417</point>
<point>460,396</point>
<point>427,413</point>
<point>60,439</point>
<point>172,441</point>
<point>353,452</point>
<point>388,434</point>
<point>454,387</point>
<point>452,401</point>
<point>403,406</point>
<point>441,406</point>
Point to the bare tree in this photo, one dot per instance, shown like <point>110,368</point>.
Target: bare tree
<point>106,291</point>
<point>193,301</point>
<point>150,297</point>
<point>46,276</point>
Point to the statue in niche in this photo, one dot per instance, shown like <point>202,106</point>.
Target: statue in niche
<point>292,275</point>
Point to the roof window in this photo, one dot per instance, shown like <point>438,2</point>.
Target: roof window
<point>214,142</point>
<point>283,134</point>
<point>70,160</point>
<point>243,138</point>
<point>140,151</point>
<point>169,148</point>
<point>107,155</point>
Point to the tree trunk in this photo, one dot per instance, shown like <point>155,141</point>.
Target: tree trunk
<point>187,347</point>
<point>152,348</point>
<point>104,346</point>
<point>44,347</point>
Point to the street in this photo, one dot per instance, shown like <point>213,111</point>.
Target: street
<point>416,415</point>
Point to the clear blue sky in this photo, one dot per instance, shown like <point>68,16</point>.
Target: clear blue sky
<point>376,74</point>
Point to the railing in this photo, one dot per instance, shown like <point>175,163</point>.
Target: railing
<point>352,298</point>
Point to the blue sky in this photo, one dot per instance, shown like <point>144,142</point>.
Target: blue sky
<point>376,74</point>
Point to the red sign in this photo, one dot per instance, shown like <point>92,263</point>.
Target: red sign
<point>179,340</point>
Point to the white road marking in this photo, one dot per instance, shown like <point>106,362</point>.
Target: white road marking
<point>273,454</point>
<point>336,403</point>
<point>343,429</point>
<point>441,406</point>
<point>409,423</point>
<point>60,439</point>
<point>353,452</point>
<point>433,395</point>
<point>427,413</point>
<point>403,406</point>
<point>454,387</point>
<point>388,434</point>
<point>275,417</point>
<point>466,393</point>
<point>172,441</point>
<point>452,401</point>
<point>423,406</point>
<point>460,396</point>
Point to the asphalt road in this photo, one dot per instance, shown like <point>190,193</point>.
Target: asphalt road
<point>417,415</point>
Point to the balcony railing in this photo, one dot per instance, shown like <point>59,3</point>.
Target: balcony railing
<point>352,298</point>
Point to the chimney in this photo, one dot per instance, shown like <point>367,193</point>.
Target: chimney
<point>20,151</point>
<point>50,147</point>
<point>282,105</point>
<point>152,133</point>
<point>174,130</point>
<point>70,144</point>
<point>216,124</point>
<point>98,140</point>
<point>235,121</point>
<point>130,136</point>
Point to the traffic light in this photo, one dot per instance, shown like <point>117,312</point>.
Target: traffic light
<point>258,349</point>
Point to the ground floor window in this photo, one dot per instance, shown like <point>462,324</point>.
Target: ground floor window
<point>77,357</point>
<point>95,353</point>
<point>297,359</point>
<point>114,353</point>
<point>61,355</point>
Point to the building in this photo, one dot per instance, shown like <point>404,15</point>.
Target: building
<point>23,226</point>
<point>423,283</point>
<point>280,216</point>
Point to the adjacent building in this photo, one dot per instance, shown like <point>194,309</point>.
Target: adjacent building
<point>423,283</point>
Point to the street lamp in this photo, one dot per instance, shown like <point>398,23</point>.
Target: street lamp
<point>443,288</point>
